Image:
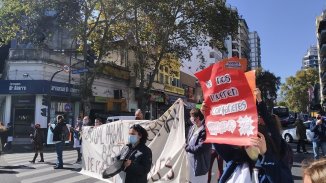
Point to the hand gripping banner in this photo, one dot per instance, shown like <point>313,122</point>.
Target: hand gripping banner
<point>232,115</point>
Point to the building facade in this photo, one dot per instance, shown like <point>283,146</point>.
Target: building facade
<point>239,46</point>
<point>321,49</point>
<point>310,59</point>
<point>255,51</point>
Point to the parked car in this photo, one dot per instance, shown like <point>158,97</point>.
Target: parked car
<point>290,135</point>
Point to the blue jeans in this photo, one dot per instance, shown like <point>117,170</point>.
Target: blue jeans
<point>58,150</point>
<point>316,146</point>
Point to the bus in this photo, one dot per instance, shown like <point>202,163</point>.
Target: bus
<point>283,113</point>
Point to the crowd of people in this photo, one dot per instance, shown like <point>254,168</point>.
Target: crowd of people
<point>267,159</point>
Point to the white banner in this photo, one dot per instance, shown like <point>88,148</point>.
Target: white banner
<point>166,139</point>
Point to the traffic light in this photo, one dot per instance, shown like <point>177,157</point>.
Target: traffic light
<point>43,111</point>
<point>44,101</point>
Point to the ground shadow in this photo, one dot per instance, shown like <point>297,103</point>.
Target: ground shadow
<point>8,172</point>
<point>16,167</point>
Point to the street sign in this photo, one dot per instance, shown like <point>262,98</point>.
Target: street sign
<point>66,68</point>
<point>68,107</point>
<point>78,71</point>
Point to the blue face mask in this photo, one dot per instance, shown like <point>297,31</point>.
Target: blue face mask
<point>133,139</point>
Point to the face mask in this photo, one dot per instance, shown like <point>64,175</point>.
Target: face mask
<point>133,139</point>
<point>85,122</point>
<point>192,119</point>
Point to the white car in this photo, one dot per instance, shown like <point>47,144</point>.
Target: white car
<point>290,134</point>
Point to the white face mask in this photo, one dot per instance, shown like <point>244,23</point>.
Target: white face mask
<point>192,119</point>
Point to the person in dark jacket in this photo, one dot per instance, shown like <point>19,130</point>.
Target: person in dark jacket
<point>301,134</point>
<point>318,126</point>
<point>37,139</point>
<point>58,139</point>
<point>264,158</point>
<point>136,155</point>
<point>198,152</point>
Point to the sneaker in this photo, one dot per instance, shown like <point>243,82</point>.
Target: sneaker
<point>58,167</point>
<point>32,162</point>
<point>41,161</point>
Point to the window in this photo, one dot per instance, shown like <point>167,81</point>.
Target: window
<point>166,69</point>
<point>167,79</point>
<point>161,68</point>
<point>161,78</point>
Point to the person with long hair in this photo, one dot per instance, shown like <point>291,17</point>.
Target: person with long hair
<point>262,161</point>
<point>315,172</point>
<point>136,155</point>
<point>37,138</point>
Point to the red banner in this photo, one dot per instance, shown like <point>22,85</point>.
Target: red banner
<point>232,117</point>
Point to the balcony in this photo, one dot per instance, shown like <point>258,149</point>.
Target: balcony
<point>323,64</point>
<point>322,25</point>
<point>323,78</point>
<point>323,51</point>
<point>41,55</point>
<point>322,37</point>
<point>174,89</point>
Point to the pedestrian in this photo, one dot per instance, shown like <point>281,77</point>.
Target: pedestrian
<point>198,152</point>
<point>301,134</point>
<point>3,131</point>
<point>77,138</point>
<point>37,139</point>
<point>318,126</point>
<point>86,121</point>
<point>98,122</point>
<point>10,133</point>
<point>139,115</point>
<point>136,157</point>
<point>59,137</point>
<point>315,172</point>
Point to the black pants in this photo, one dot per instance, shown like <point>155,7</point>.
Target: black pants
<point>301,143</point>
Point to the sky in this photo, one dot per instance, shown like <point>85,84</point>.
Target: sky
<point>287,28</point>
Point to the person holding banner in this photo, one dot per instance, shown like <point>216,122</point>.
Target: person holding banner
<point>198,152</point>
<point>139,115</point>
<point>261,161</point>
<point>136,155</point>
<point>59,139</point>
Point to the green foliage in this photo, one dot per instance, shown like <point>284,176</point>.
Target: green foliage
<point>153,30</point>
<point>269,84</point>
<point>295,90</point>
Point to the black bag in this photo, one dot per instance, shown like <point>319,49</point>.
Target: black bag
<point>113,169</point>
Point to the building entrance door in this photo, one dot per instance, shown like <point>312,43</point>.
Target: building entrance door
<point>23,118</point>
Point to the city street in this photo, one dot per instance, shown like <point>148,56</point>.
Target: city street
<point>16,168</point>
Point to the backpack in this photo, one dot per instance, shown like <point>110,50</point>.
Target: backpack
<point>287,157</point>
<point>65,135</point>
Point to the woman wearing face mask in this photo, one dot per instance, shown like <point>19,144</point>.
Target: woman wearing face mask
<point>198,152</point>
<point>136,155</point>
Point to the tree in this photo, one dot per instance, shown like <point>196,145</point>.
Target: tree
<point>269,84</point>
<point>169,29</point>
<point>295,90</point>
<point>90,23</point>
<point>153,30</point>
